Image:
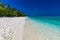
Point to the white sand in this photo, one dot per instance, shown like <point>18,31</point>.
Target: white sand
<point>21,27</point>
<point>16,26</point>
<point>30,33</point>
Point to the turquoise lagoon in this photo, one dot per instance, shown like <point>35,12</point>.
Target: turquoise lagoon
<point>47,26</point>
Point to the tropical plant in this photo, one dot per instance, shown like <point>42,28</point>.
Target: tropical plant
<point>7,11</point>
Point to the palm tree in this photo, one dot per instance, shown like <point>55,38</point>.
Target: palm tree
<point>9,12</point>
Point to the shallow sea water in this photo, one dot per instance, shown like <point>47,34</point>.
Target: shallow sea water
<point>48,26</point>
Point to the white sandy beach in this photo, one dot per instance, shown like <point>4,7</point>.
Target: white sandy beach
<point>15,25</point>
<point>30,33</point>
<point>21,27</point>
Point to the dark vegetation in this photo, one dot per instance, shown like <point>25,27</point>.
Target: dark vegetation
<point>7,11</point>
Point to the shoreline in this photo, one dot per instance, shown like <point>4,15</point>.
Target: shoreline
<point>30,33</point>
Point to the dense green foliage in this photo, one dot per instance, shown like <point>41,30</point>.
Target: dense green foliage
<point>7,11</point>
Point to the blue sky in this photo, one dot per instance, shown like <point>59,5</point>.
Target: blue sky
<point>36,7</point>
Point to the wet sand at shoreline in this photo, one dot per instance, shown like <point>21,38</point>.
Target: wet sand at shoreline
<point>30,33</point>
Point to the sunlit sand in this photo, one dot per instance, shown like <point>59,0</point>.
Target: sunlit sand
<point>31,33</point>
<point>11,28</point>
